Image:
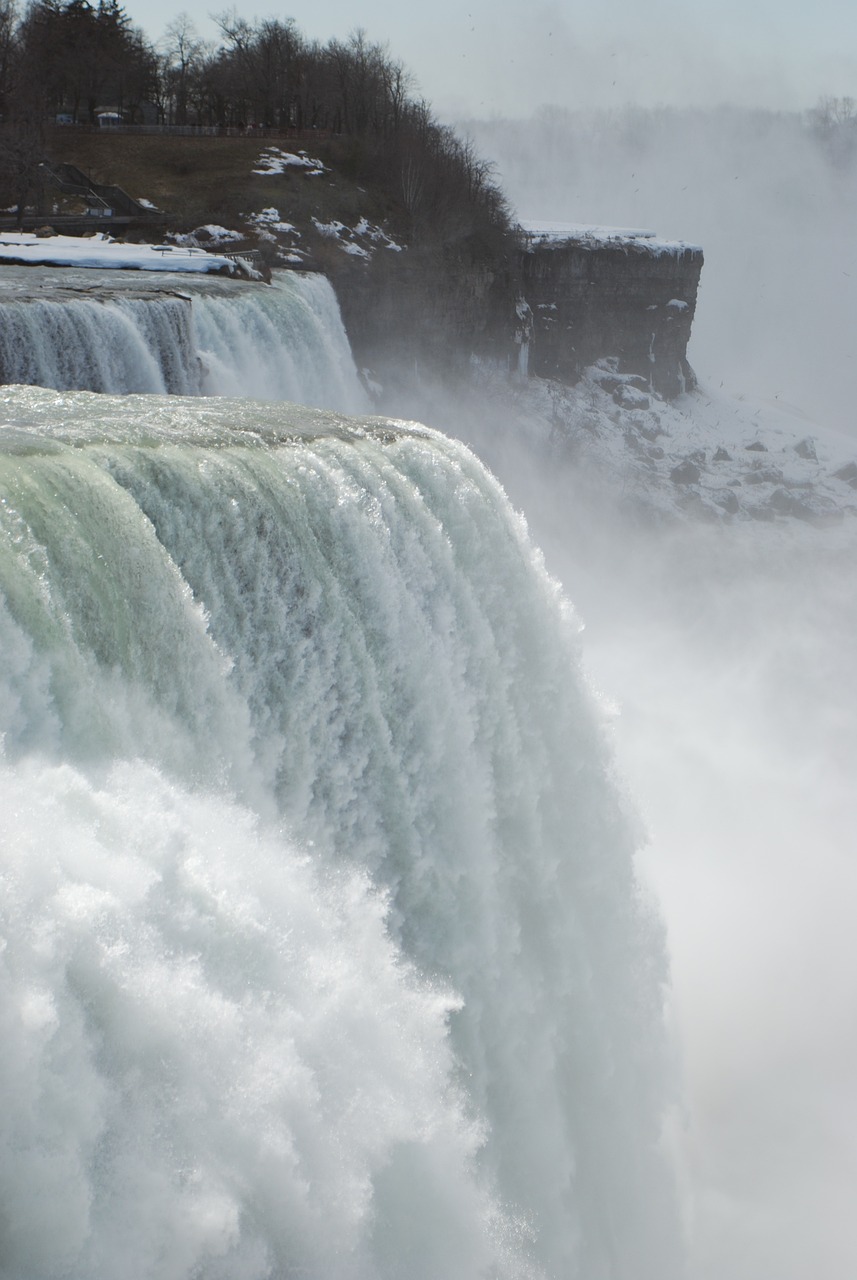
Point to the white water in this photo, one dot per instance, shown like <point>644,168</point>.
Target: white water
<point>98,331</point>
<point>322,950</point>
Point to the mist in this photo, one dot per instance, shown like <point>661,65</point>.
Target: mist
<point>768,199</point>
<point>724,654</point>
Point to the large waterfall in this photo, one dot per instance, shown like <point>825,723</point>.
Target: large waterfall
<point>321,952</point>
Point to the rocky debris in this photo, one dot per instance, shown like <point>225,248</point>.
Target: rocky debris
<point>689,471</point>
<point>727,499</point>
<point>630,398</point>
<point>44,233</point>
<point>606,373</point>
<point>763,475</point>
<point>787,504</point>
<point>686,472</point>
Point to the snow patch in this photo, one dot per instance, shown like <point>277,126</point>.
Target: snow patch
<point>211,233</point>
<point>554,234</point>
<point>361,240</point>
<point>275,160</point>
<point>270,219</point>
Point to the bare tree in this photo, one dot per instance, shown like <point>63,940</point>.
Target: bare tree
<point>182,54</point>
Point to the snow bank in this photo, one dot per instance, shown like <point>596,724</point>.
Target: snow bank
<point>101,251</point>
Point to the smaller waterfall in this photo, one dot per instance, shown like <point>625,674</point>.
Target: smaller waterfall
<point>283,341</point>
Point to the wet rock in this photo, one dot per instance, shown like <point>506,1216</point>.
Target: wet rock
<point>786,504</point>
<point>848,473</point>
<point>720,455</point>
<point>686,472</point>
<point>630,397</point>
<point>764,475</point>
<point>806,449</point>
<point>651,430</point>
<point>757,447</point>
<point>727,500</point>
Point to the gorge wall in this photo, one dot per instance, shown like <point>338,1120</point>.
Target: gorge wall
<point>569,300</point>
<point>632,297</point>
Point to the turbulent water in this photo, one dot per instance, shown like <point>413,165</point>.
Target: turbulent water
<point>322,952</point>
<point>185,335</point>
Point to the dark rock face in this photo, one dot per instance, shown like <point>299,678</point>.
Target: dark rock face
<point>633,299</point>
<point>428,311</point>
<point>551,310</point>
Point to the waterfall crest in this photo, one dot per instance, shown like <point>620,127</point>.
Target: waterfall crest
<point>341,968</point>
<point>182,336</point>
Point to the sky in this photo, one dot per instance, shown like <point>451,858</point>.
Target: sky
<point>475,57</point>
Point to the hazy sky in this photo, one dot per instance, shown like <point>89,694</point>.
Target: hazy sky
<point>508,56</point>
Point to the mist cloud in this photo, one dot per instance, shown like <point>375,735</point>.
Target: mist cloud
<point>771,207</point>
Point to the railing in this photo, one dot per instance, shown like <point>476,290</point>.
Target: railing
<point>205,130</point>
<point>251,256</point>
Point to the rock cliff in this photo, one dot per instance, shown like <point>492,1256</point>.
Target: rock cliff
<point>600,294</point>
<point>549,304</point>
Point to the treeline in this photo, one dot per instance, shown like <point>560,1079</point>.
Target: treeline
<point>71,60</point>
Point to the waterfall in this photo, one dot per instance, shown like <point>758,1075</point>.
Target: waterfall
<point>182,336</point>
<point>322,951</point>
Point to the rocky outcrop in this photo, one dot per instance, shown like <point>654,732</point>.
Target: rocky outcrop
<point>551,307</point>
<point>629,296</point>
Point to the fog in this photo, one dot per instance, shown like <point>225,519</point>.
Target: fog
<point>770,203</point>
<point>727,657</point>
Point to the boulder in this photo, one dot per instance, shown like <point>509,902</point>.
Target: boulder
<point>686,472</point>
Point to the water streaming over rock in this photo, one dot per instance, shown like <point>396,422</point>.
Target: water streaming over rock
<point>184,335</point>
<point>322,952</point>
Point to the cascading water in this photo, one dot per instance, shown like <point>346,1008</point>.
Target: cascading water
<point>322,952</point>
<point>181,335</point>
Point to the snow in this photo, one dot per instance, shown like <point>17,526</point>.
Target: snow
<point>349,238</point>
<point>101,251</point>
<point>554,234</point>
<point>274,160</point>
<point>270,219</point>
<point>705,455</point>
<point>376,234</point>
<point>212,234</point>
<point>581,231</point>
